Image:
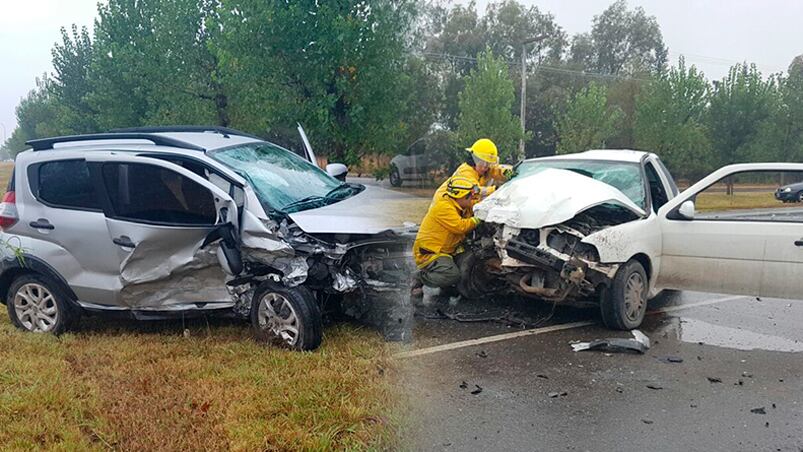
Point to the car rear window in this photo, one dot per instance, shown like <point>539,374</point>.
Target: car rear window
<point>67,184</point>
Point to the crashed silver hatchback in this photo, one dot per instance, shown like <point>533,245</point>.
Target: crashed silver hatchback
<point>174,221</point>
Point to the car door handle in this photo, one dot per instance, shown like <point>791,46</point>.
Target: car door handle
<point>124,241</point>
<point>799,242</point>
<point>41,223</point>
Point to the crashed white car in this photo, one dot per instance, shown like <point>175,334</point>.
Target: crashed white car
<point>608,227</point>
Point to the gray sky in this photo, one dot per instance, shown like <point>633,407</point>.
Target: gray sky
<point>712,34</point>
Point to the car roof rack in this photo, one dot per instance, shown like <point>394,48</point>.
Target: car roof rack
<point>44,144</point>
<point>225,131</point>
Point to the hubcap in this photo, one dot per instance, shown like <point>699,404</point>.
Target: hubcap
<point>276,314</point>
<point>36,308</point>
<point>634,296</point>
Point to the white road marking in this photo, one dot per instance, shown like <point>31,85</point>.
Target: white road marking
<point>546,329</point>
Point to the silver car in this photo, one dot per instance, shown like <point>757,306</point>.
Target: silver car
<point>174,221</point>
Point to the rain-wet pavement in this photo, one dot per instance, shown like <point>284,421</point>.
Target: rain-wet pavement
<point>720,375</point>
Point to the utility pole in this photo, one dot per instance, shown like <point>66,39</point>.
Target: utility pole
<point>523,112</point>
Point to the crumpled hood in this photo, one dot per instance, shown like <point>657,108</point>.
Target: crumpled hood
<point>368,212</point>
<point>547,198</point>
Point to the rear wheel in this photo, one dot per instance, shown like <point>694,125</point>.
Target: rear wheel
<point>800,197</point>
<point>624,303</point>
<point>36,304</point>
<point>290,316</point>
<point>395,176</point>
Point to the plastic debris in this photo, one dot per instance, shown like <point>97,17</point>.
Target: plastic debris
<point>477,390</point>
<point>759,410</point>
<point>639,344</point>
<point>714,379</point>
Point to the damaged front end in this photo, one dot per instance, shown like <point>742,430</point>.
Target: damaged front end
<point>536,245</point>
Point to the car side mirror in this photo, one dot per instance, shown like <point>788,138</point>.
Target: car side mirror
<point>337,170</point>
<point>686,210</point>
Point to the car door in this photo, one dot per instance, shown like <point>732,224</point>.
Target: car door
<point>734,247</point>
<point>160,218</point>
<point>62,211</point>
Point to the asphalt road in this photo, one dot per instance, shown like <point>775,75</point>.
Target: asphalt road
<point>738,387</point>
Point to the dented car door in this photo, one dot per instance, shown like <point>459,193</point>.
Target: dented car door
<point>161,218</point>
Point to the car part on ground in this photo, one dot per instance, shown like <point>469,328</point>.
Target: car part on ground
<point>640,343</point>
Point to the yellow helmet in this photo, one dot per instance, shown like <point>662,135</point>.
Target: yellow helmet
<point>485,150</point>
<point>460,187</point>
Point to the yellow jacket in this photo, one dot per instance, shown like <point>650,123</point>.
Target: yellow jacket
<point>441,231</point>
<point>494,174</point>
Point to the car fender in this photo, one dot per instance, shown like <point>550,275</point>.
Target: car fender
<point>618,244</point>
<point>11,267</point>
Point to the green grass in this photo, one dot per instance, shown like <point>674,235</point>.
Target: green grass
<point>708,202</point>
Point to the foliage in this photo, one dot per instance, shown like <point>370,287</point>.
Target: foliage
<point>670,120</point>
<point>588,121</point>
<point>485,107</point>
<point>621,41</point>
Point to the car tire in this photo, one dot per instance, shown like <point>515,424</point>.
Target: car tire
<point>395,176</point>
<point>800,196</point>
<point>36,304</point>
<point>290,316</point>
<point>624,304</point>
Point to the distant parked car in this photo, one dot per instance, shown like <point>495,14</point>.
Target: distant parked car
<point>790,193</point>
<point>417,163</point>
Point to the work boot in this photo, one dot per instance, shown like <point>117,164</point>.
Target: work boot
<point>431,295</point>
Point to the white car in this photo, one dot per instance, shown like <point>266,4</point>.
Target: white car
<point>608,227</point>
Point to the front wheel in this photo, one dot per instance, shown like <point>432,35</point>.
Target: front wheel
<point>395,176</point>
<point>35,304</point>
<point>624,303</point>
<point>290,316</point>
<point>800,197</point>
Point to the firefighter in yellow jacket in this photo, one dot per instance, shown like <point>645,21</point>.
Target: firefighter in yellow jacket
<point>482,168</point>
<point>443,229</point>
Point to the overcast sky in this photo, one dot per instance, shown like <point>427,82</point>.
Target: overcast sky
<point>712,34</point>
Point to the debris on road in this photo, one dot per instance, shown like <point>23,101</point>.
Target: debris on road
<point>647,421</point>
<point>760,410</point>
<point>542,376</point>
<point>482,354</point>
<point>639,344</point>
<point>714,379</point>
<point>464,385</point>
<point>477,390</point>
<point>655,386</point>
<point>553,395</point>
<point>671,359</point>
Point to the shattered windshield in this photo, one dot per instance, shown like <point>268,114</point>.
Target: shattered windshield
<point>624,176</point>
<point>281,179</point>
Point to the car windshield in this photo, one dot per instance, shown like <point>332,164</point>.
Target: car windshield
<point>624,176</point>
<point>281,179</point>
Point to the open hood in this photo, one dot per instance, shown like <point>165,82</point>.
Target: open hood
<point>547,198</point>
<point>368,212</point>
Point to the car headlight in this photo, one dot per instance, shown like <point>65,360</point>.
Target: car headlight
<point>787,189</point>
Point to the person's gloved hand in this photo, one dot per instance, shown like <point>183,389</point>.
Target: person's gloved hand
<point>476,221</point>
<point>507,171</point>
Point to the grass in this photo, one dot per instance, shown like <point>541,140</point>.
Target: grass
<point>150,386</point>
<point>129,385</point>
<point>708,201</point>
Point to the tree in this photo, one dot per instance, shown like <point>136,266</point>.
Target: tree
<point>485,107</point>
<point>621,41</point>
<point>336,67</point>
<point>670,120</point>
<point>72,82</point>
<point>739,104</point>
<point>588,121</point>
<point>36,116</point>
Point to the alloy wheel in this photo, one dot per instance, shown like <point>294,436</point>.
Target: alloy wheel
<point>276,314</point>
<point>36,308</point>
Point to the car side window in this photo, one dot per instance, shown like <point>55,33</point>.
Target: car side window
<point>152,194</point>
<point>657,190</point>
<point>66,184</point>
<point>766,196</point>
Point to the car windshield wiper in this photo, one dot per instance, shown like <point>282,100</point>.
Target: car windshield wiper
<point>303,201</point>
<point>339,188</point>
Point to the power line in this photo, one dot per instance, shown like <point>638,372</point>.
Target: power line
<point>540,67</point>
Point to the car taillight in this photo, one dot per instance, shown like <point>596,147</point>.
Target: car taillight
<point>8,210</point>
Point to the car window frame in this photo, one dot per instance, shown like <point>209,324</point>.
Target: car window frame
<point>34,184</point>
<point>96,169</point>
<point>674,215</point>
